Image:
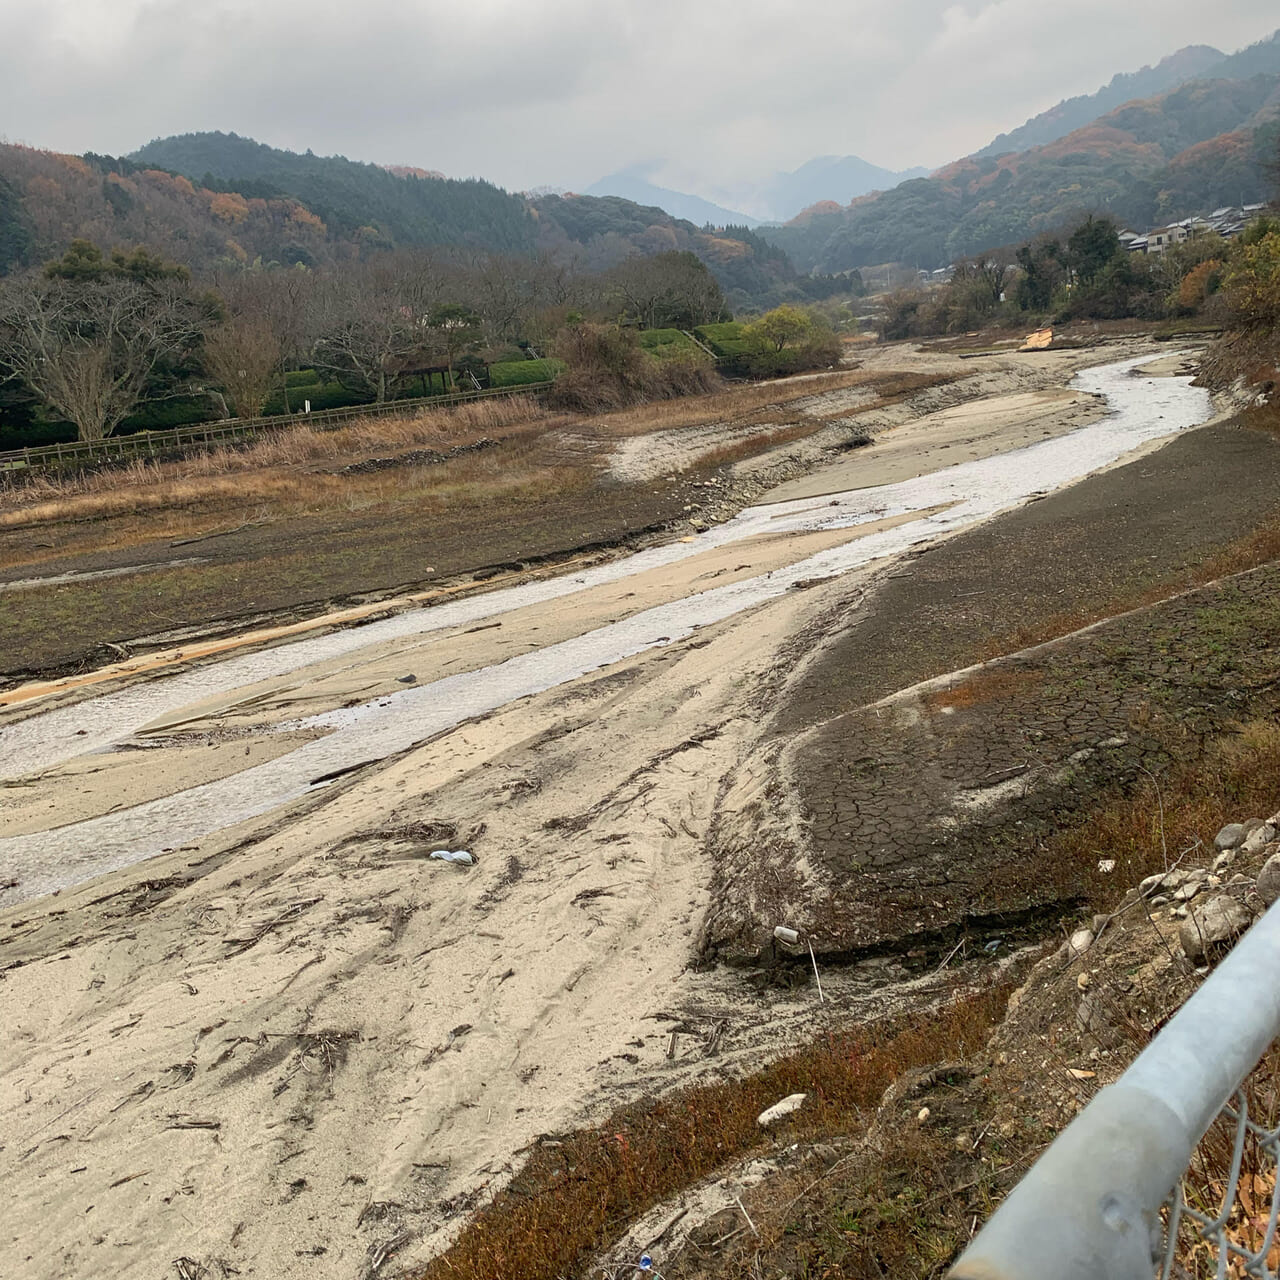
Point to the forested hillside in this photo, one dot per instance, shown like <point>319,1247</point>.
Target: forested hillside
<point>600,231</point>
<point>1195,62</point>
<point>361,202</point>
<point>1154,160</point>
<point>215,202</point>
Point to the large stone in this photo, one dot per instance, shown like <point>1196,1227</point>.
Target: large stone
<point>1258,839</point>
<point>1269,879</point>
<point>1230,837</point>
<point>1213,928</point>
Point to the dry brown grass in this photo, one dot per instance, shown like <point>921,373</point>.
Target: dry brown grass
<point>573,1198</point>
<point>1172,818</point>
<point>750,446</point>
<point>753,398</point>
<point>274,467</point>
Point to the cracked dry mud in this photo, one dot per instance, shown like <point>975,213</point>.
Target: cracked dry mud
<point>923,803</point>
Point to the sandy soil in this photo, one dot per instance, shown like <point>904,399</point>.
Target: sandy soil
<point>303,1041</point>
<point>960,434</point>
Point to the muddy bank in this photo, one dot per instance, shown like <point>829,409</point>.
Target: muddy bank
<point>894,816</point>
<point>1103,539</point>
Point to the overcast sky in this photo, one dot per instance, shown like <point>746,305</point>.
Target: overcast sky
<point>560,92</point>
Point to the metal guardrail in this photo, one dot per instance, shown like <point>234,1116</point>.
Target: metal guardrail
<point>1105,1201</point>
<point>211,434</point>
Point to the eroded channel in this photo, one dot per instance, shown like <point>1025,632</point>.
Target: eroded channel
<point>1142,409</point>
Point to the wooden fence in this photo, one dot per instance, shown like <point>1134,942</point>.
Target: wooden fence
<point>149,444</point>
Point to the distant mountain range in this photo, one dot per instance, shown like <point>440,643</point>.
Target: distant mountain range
<point>633,184</point>
<point>1204,143</point>
<point>773,199</point>
<point>212,200</point>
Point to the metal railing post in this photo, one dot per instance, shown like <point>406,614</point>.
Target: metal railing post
<point>1089,1209</point>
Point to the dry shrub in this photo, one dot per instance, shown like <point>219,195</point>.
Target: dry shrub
<point>607,370</point>
<point>1173,818</point>
<point>573,1198</point>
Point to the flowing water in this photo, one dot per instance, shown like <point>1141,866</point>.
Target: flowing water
<point>1141,409</point>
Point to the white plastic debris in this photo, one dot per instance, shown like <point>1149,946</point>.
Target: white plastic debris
<point>1107,866</point>
<point>793,1102</point>
<point>789,936</point>
<point>460,856</point>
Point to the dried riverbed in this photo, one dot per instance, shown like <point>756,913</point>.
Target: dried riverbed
<point>288,1036</point>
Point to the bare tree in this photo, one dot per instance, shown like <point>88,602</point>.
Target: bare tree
<point>90,349</point>
<point>673,289</point>
<point>372,318</point>
<point>280,302</point>
<point>243,355</point>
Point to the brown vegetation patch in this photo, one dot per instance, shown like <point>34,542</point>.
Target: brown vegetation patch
<point>1173,817</point>
<point>986,686</point>
<point>576,1194</point>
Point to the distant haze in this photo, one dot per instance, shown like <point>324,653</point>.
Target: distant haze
<point>564,91</point>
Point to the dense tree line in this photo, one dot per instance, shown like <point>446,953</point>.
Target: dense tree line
<point>1084,273</point>
<point>90,336</point>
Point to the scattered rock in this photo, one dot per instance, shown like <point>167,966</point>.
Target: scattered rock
<point>1230,837</point>
<point>1269,879</point>
<point>1257,839</point>
<point>1081,941</point>
<point>792,1102</point>
<point>1100,922</point>
<point>1082,981</point>
<point>922,1115</point>
<point>1213,928</point>
<point>1223,860</point>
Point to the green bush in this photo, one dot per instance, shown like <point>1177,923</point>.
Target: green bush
<point>665,343</point>
<point>162,415</point>
<point>725,339</point>
<point>517,373</point>
<point>302,378</point>
<point>328,395</point>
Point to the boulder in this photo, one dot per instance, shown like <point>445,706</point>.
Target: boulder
<point>1257,839</point>
<point>1213,928</point>
<point>1230,837</point>
<point>1269,879</point>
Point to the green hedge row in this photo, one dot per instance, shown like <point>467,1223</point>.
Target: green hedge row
<point>517,373</point>
<point>667,342</point>
<point>725,339</point>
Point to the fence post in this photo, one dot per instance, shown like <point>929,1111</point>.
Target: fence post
<point>1089,1209</point>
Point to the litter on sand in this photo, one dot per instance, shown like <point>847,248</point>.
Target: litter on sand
<point>460,856</point>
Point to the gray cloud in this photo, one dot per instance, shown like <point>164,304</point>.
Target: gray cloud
<point>562,91</point>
